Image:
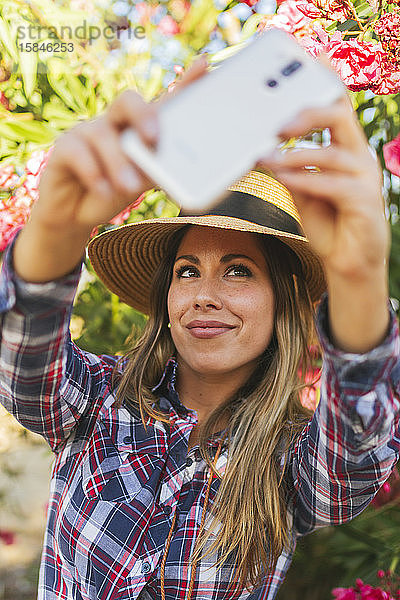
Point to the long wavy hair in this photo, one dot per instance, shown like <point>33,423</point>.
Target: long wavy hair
<point>265,416</point>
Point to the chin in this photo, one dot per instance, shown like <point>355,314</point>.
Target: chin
<point>211,364</point>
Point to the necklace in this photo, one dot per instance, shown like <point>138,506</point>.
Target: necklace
<point>168,542</point>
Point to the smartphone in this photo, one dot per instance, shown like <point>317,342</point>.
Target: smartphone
<point>214,130</point>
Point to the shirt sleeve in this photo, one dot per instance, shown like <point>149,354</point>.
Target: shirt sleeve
<point>46,381</point>
<point>352,443</point>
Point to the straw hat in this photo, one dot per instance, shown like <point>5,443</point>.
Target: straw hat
<point>126,258</point>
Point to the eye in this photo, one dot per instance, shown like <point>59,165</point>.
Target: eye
<point>179,272</point>
<point>245,271</point>
<point>242,269</point>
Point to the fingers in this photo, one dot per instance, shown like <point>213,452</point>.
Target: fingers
<point>339,118</point>
<point>329,158</point>
<point>73,154</point>
<point>114,166</point>
<point>129,109</point>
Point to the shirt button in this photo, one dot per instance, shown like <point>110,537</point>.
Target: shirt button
<point>168,510</point>
<point>189,462</point>
<point>146,567</point>
<point>128,439</point>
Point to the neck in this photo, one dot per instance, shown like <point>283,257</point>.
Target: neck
<point>204,392</point>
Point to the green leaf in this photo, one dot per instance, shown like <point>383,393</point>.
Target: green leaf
<point>28,67</point>
<point>7,40</point>
<point>27,131</point>
<point>226,52</point>
<point>250,26</point>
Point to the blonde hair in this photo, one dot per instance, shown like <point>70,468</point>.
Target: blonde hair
<point>265,414</point>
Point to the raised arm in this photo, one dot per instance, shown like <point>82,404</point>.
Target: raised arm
<point>45,380</point>
<point>352,443</point>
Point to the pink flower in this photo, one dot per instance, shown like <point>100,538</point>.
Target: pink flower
<point>168,26</point>
<point>289,18</point>
<point>249,2</point>
<point>337,10</point>
<point>8,177</point>
<point>391,154</point>
<point>389,492</point>
<point>125,214</point>
<point>4,101</point>
<point>388,29</point>
<point>309,10</point>
<point>309,396</point>
<point>344,594</point>
<point>178,69</point>
<point>389,82</point>
<point>359,63</point>
<point>15,210</point>
<point>7,537</point>
<point>146,11</point>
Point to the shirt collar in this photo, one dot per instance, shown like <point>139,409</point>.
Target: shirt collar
<point>168,396</point>
<point>166,387</point>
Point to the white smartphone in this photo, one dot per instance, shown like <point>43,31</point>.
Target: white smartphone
<point>213,131</point>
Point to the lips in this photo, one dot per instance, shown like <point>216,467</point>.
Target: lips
<point>208,329</point>
<point>209,324</point>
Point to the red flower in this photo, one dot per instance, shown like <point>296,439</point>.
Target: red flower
<point>391,154</point>
<point>337,10</point>
<point>4,101</point>
<point>289,18</point>
<point>388,29</point>
<point>309,10</point>
<point>8,177</point>
<point>125,214</point>
<point>344,594</point>
<point>389,83</point>
<point>361,591</point>
<point>7,537</point>
<point>358,63</point>
<point>389,492</point>
<point>15,210</point>
<point>250,3</point>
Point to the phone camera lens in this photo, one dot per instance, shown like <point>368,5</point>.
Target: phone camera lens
<point>272,83</point>
<point>291,68</point>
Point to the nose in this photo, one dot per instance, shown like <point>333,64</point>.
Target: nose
<point>206,295</point>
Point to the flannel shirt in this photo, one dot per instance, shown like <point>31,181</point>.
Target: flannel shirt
<point>115,487</point>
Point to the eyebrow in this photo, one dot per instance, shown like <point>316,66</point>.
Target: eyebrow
<point>226,258</point>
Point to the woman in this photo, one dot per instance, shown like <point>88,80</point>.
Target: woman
<point>188,468</point>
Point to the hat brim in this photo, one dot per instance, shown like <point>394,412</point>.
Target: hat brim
<point>126,258</point>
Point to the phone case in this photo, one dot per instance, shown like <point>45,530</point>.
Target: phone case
<point>213,131</point>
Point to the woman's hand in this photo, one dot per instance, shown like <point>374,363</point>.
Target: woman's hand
<point>340,204</point>
<point>87,181</point>
<point>342,209</point>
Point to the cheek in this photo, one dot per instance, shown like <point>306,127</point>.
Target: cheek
<point>258,311</point>
<point>175,303</point>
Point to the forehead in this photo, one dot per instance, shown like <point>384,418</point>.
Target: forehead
<point>210,240</point>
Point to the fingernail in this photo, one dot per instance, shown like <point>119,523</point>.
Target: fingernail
<point>129,179</point>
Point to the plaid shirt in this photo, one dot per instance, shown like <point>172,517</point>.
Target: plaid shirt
<point>115,486</point>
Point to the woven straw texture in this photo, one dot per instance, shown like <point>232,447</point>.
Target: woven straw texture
<point>126,258</point>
